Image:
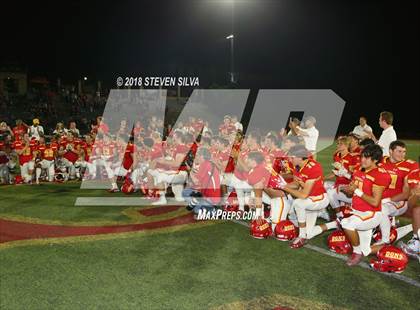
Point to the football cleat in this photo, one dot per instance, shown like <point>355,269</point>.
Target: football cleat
<point>354,259</point>
<point>128,186</point>
<point>412,248</point>
<point>113,190</point>
<point>297,243</point>
<point>389,259</point>
<point>285,231</point>
<point>262,231</point>
<point>339,243</point>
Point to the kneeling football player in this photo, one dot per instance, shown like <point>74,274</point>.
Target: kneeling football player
<point>367,188</point>
<point>309,193</point>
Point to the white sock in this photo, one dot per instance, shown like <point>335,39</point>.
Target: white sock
<point>331,225</point>
<point>357,249</point>
<point>315,232</point>
<point>37,173</point>
<point>302,232</point>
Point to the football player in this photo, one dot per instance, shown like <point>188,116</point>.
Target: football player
<point>412,247</point>
<point>176,174</point>
<point>25,151</point>
<point>394,199</point>
<point>366,189</point>
<point>46,155</point>
<point>308,191</point>
<point>344,163</point>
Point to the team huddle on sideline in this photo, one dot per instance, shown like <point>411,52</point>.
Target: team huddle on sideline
<point>276,174</point>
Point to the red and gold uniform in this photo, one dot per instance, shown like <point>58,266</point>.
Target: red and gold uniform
<point>398,171</point>
<point>26,155</point>
<point>18,131</point>
<point>258,174</point>
<point>413,179</point>
<point>365,182</point>
<point>183,150</point>
<point>348,161</point>
<point>47,152</point>
<point>128,156</point>
<point>312,170</point>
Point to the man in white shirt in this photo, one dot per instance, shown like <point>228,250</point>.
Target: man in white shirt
<point>388,134</point>
<point>363,130</point>
<point>236,123</point>
<point>36,130</point>
<point>310,134</point>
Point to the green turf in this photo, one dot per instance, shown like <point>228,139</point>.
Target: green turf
<point>194,269</point>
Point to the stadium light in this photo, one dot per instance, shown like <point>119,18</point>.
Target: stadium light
<point>232,75</point>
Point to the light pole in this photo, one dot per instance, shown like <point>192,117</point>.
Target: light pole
<point>232,65</point>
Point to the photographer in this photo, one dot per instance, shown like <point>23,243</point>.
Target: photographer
<point>205,192</point>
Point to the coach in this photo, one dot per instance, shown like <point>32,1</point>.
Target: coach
<point>388,134</point>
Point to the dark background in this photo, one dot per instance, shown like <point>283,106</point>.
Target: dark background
<point>366,51</point>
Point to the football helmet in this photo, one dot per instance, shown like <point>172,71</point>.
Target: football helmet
<point>285,230</point>
<point>377,235</point>
<point>276,182</point>
<point>18,179</point>
<point>261,231</point>
<point>232,203</point>
<point>346,210</point>
<point>128,186</point>
<point>389,259</point>
<point>59,177</point>
<point>339,243</point>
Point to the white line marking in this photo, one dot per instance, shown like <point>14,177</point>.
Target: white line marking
<point>344,258</point>
<point>120,201</point>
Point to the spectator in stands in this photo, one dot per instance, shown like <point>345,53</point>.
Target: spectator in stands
<point>36,130</point>
<point>363,130</point>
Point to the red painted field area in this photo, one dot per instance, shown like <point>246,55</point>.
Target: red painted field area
<point>14,230</point>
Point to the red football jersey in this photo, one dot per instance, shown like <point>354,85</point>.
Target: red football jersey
<point>398,172</point>
<point>183,150</point>
<point>259,174</point>
<point>365,181</point>
<point>348,161</point>
<point>27,154</point>
<point>311,170</point>
<point>48,153</point>
<point>18,131</point>
<point>128,156</point>
<point>413,178</point>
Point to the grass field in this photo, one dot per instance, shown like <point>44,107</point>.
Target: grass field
<point>195,266</point>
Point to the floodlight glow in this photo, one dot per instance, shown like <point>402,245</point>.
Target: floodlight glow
<point>230,37</point>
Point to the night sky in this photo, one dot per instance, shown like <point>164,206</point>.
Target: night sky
<point>366,51</point>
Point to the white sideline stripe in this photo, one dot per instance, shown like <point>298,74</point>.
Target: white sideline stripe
<point>344,258</point>
<point>120,201</point>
